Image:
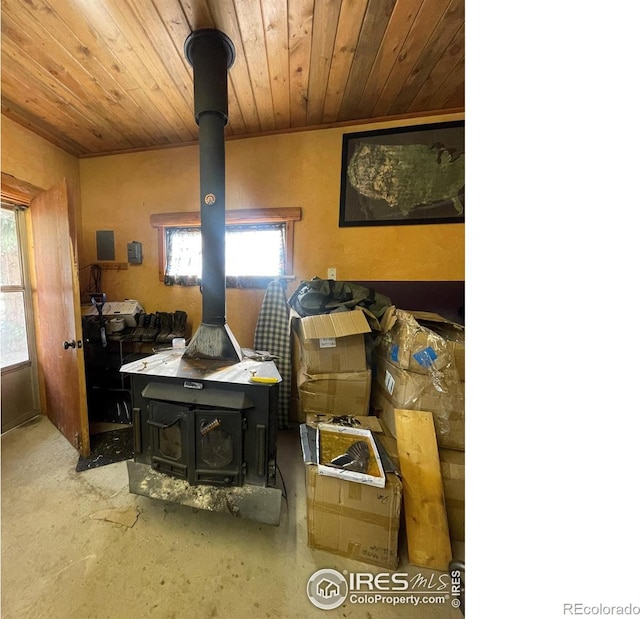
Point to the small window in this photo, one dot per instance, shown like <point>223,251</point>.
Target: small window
<point>13,333</point>
<point>267,233</point>
<point>183,247</point>
<point>243,244</point>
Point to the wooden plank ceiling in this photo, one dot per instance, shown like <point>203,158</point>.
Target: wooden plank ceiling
<point>104,76</point>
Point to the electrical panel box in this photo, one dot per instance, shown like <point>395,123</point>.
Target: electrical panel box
<point>105,245</point>
<point>134,252</point>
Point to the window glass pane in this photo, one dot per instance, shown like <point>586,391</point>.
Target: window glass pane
<point>11,272</point>
<point>255,250</point>
<point>184,252</point>
<point>13,336</point>
<point>250,250</point>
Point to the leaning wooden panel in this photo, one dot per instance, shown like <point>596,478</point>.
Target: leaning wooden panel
<point>423,493</point>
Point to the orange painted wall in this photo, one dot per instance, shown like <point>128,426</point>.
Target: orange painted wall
<point>28,157</point>
<point>120,192</point>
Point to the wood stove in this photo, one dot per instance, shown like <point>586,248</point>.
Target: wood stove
<point>206,435</point>
<point>204,429</point>
<point>204,425</point>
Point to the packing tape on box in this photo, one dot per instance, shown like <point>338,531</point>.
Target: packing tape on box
<point>381,520</point>
<point>454,503</point>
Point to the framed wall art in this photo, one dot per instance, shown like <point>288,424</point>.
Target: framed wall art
<point>406,175</point>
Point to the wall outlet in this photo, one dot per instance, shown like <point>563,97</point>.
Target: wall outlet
<point>332,273</point>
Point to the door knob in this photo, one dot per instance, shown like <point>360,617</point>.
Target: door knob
<point>71,344</point>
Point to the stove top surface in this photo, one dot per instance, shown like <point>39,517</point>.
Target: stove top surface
<point>172,364</point>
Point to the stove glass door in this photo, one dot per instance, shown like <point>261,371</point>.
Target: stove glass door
<point>218,447</point>
<point>169,438</point>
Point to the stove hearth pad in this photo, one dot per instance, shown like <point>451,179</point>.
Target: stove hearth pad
<point>251,502</point>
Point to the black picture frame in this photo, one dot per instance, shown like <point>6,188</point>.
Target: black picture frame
<point>403,175</point>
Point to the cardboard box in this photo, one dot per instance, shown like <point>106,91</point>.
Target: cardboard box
<point>334,441</point>
<point>330,343</point>
<point>344,393</point>
<point>422,341</point>
<point>397,388</point>
<point>354,520</point>
<point>452,471</point>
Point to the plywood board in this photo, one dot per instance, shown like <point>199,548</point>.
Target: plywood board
<point>423,494</point>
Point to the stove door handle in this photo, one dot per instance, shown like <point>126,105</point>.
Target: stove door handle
<point>192,384</point>
<point>162,426</point>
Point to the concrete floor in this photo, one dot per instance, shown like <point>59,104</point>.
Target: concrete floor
<point>59,560</point>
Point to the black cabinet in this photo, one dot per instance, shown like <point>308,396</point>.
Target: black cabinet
<point>108,390</point>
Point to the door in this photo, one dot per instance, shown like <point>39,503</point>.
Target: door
<point>57,315</point>
<point>20,398</point>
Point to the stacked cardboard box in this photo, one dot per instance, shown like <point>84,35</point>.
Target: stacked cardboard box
<point>452,471</point>
<point>354,520</point>
<point>331,369</point>
<point>351,518</point>
<point>420,366</point>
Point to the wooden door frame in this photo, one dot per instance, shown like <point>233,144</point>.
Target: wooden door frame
<point>21,381</point>
<point>22,192</point>
<point>18,191</point>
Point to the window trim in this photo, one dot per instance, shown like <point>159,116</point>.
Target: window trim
<point>285,215</point>
<point>24,287</point>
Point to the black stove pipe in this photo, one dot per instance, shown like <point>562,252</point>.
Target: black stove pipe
<point>211,53</point>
